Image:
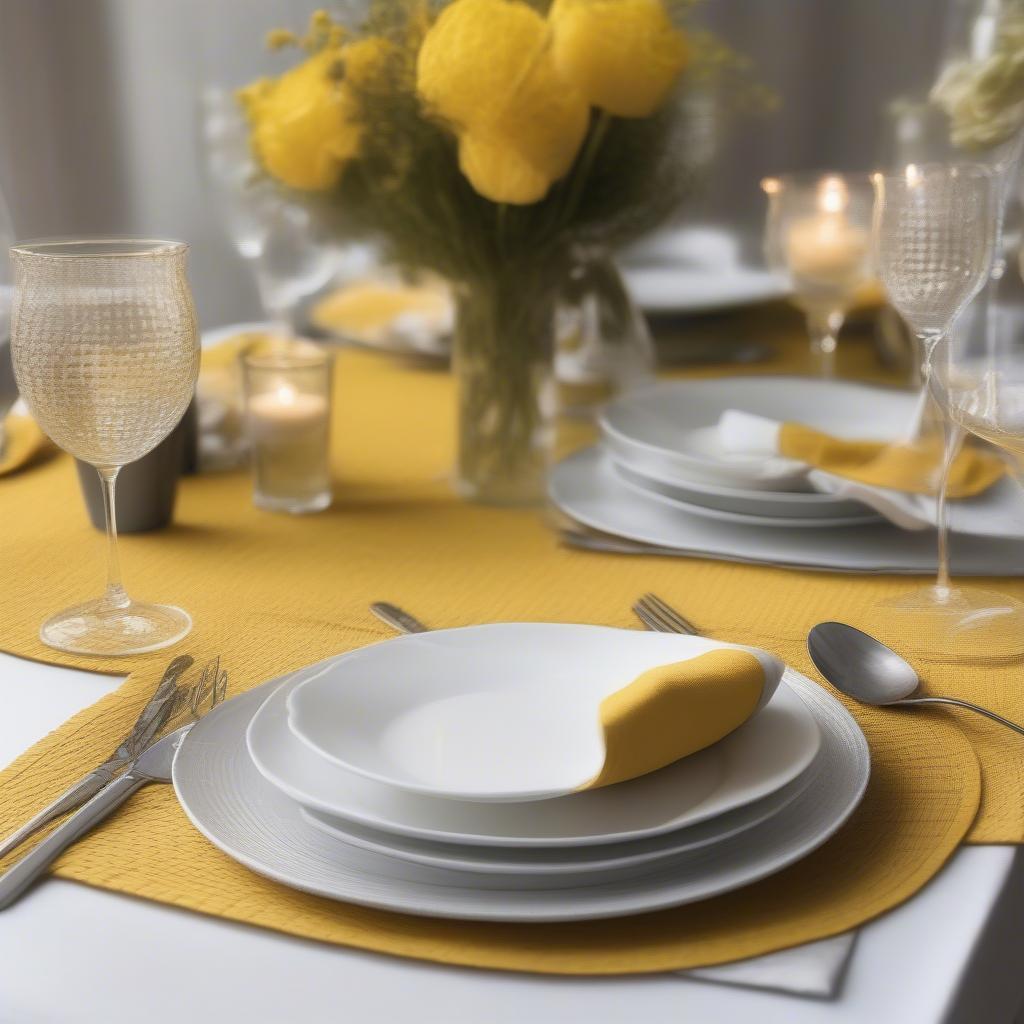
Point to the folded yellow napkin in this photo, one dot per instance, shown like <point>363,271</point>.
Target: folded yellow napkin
<point>22,442</point>
<point>674,710</point>
<point>909,467</point>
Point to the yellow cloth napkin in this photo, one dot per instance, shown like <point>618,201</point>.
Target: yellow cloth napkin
<point>912,468</point>
<point>22,442</point>
<point>674,710</point>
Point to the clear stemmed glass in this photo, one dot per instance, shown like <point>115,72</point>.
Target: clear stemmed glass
<point>817,235</point>
<point>936,228</point>
<point>106,355</point>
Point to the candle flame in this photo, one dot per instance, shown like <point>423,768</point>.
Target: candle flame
<point>771,186</point>
<point>286,394</point>
<point>833,195</point>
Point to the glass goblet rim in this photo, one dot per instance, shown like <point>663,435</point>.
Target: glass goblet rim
<point>774,183</point>
<point>72,248</point>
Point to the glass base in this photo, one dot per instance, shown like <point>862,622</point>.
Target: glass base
<point>107,630</point>
<point>293,505</point>
<point>961,623</point>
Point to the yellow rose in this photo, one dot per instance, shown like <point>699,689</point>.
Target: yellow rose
<point>623,55</point>
<point>305,124</point>
<point>485,67</point>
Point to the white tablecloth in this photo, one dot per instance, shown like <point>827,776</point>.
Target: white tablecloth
<point>73,954</point>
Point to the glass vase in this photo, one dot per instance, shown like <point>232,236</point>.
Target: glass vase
<point>503,366</point>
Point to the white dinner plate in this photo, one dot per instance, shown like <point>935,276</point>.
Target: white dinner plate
<point>686,290</point>
<point>758,759</point>
<point>670,430</point>
<point>586,488</point>
<point>803,505</point>
<point>501,712</point>
<point>559,861</point>
<point>250,820</point>
<point>642,485</point>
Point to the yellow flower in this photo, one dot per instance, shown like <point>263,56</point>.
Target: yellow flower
<point>623,55</point>
<point>366,61</point>
<point>305,125</point>
<point>485,67</point>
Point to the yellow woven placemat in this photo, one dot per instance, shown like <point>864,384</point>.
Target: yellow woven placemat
<point>270,593</point>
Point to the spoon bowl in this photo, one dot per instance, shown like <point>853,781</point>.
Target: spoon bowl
<point>859,665</point>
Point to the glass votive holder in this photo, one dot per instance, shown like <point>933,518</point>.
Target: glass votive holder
<point>288,415</point>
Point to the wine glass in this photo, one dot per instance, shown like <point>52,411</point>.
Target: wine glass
<point>936,227</point>
<point>817,235</point>
<point>291,258</point>
<point>106,355</point>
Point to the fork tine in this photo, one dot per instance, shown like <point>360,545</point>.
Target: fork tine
<point>640,610</point>
<point>650,617</point>
<point>681,624</point>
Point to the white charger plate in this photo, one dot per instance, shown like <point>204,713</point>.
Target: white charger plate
<point>586,488</point>
<point>644,486</point>
<point>560,862</point>
<point>500,712</point>
<point>670,430</point>
<point>761,757</point>
<point>248,819</point>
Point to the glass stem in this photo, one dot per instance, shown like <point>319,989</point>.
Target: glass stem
<point>115,597</point>
<point>953,437</point>
<point>823,328</point>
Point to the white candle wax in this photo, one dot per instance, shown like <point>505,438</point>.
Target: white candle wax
<point>286,411</point>
<point>827,249</point>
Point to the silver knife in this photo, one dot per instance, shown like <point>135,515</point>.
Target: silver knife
<point>151,720</point>
<point>153,765</point>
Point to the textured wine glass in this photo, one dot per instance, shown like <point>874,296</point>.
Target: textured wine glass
<point>936,227</point>
<point>106,355</point>
<point>818,236</point>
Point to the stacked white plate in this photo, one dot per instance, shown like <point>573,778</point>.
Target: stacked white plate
<point>660,477</point>
<point>434,774</point>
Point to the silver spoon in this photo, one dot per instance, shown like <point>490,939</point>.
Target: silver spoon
<point>866,670</point>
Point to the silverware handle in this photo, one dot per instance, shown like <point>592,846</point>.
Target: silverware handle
<point>396,618</point>
<point>17,879</point>
<point>73,797</point>
<point>969,706</point>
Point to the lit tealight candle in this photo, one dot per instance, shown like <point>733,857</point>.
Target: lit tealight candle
<point>288,412</point>
<point>284,408</point>
<point>826,249</point>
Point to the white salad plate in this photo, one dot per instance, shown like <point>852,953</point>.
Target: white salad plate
<point>501,712</point>
<point>642,485</point>
<point>560,861</point>
<point>587,489</point>
<point>253,822</point>
<point>757,760</point>
<point>670,430</point>
<point>801,505</point>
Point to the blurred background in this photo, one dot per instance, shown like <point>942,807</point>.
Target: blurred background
<point>102,111</point>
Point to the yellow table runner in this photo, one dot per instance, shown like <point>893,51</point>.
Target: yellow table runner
<point>270,593</point>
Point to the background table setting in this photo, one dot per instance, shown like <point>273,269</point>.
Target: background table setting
<point>517,662</point>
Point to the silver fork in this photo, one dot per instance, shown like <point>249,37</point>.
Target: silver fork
<point>189,705</point>
<point>656,615</point>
